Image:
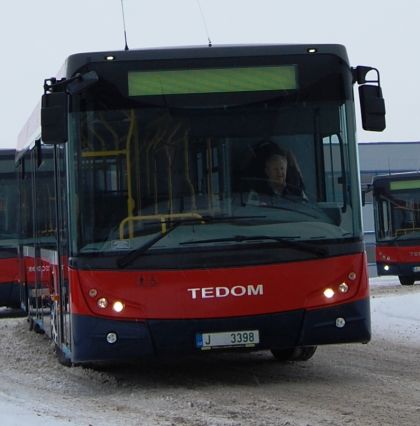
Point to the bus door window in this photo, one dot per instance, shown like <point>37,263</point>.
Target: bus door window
<point>385,229</point>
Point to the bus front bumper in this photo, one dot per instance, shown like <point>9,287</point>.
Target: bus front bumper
<point>99,339</point>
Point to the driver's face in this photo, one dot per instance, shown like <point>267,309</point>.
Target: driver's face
<point>276,171</point>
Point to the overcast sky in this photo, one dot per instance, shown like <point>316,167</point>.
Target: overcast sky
<point>36,37</point>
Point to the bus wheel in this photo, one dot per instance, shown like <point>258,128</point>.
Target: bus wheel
<point>300,353</point>
<point>406,280</point>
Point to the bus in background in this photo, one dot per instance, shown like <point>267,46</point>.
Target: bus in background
<point>143,233</point>
<point>396,203</point>
<point>9,290</point>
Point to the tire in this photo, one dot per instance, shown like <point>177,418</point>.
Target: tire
<point>404,280</point>
<point>299,353</point>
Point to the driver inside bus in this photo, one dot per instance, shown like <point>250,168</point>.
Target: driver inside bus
<point>278,176</point>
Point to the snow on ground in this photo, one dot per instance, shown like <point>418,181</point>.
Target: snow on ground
<point>395,311</point>
<point>395,317</point>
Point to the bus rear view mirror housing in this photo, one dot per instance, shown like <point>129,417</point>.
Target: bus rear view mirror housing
<point>54,107</point>
<point>54,118</point>
<point>372,104</point>
<point>372,107</point>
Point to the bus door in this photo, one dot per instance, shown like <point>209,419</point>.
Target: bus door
<point>60,306</point>
<point>43,240</point>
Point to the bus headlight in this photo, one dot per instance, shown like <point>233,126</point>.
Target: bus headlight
<point>386,267</point>
<point>118,306</point>
<point>328,293</point>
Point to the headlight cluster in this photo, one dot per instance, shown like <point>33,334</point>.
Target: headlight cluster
<point>341,288</point>
<point>103,303</point>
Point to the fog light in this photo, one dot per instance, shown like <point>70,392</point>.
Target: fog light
<point>386,267</point>
<point>102,303</point>
<point>118,306</point>
<point>111,338</point>
<point>328,293</point>
<point>343,288</point>
<point>340,322</point>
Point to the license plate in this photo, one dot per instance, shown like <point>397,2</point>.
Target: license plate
<point>228,339</point>
<point>416,269</point>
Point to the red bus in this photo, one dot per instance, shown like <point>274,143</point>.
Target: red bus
<point>396,202</point>
<point>9,290</point>
<point>144,232</point>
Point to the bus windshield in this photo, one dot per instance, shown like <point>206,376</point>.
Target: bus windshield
<point>397,209</point>
<point>174,160</point>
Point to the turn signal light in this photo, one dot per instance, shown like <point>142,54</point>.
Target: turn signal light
<point>102,303</point>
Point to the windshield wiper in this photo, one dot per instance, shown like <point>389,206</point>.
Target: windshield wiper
<point>289,209</point>
<point>134,254</point>
<point>286,242</point>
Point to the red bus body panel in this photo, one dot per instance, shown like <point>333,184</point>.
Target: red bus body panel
<point>9,289</point>
<point>8,270</point>
<point>219,293</point>
<point>398,254</point>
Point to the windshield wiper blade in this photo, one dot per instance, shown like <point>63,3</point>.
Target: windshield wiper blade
<point>289,209</point>
<point>286,242</point>
<point>134,254</point>
<point>212,219</point>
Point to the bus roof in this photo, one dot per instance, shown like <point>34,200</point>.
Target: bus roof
<point>31,130</point>
<point>383,179</point>
<point>75,61</point>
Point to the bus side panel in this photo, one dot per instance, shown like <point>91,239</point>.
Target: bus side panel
<point>9,289</point>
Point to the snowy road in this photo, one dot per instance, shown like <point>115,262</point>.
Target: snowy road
<point>374,384</point>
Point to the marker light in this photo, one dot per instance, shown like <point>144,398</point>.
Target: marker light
<point>312,50</point>
<point>110,58</point>
<point>352,276</point>
<point>386,267</point>
<point>118,306</point>
<point>343,288</point>
<point>102,303</point>
<point>111,337</point>
<point>328,293</point>
<point>93,292</point>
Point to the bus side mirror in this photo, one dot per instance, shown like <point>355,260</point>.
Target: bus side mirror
<point>372,104</point>
<point>372,107</point>
<point>54,118</point>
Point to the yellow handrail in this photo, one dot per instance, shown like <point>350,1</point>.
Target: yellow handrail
<point>163,218</point>
<point>403,231</point>
<point>130,204</point>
